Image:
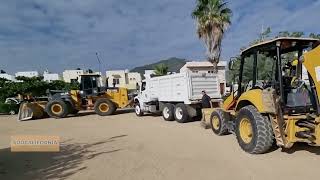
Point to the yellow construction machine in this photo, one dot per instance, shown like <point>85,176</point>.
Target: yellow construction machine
<point>91,96</point>
<point>277,96</point>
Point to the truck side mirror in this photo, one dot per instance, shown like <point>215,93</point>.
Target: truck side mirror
<point>232,62</point>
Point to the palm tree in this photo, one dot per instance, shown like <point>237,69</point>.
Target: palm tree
<point>213,18</point>
<point>161,69</point>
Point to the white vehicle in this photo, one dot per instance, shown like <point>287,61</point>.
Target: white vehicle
<point>176,96</point>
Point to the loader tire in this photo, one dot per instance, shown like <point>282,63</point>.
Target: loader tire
<point>57,108</point>
<point>104,107</point>
<point>167,112</point>
<point>181,113</point>
<point>254,131</point>
<point>71,109</point>
<point>218,122</point>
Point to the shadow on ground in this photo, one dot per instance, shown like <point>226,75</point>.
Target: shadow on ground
<point>302,147</point>
<point>61,165</point>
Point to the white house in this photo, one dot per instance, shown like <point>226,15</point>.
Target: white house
<point>72,75</point>
<point>28,74</point>
<point>49,77</point>
<point>148,73</point>
<point>7,76</point>
<point>123,78</point>
<point>207,67</point>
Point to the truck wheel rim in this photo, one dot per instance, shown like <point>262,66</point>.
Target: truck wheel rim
<point>137,109</point>
<point>166,112</point>
<point>56,108</point>
<point>179,113</point>
<point>215,123</point>
<point>103,107</point>
<point>245,130</point>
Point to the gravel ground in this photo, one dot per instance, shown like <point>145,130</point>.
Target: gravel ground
<point>124,146</point>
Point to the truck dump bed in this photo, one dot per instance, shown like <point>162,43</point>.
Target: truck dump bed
<point>184,87</point>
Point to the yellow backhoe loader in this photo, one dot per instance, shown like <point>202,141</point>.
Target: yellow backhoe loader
<point>277,99</point>
<point>91,96</point>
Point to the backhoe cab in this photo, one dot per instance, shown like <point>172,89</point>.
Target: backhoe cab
<point>277,98</point>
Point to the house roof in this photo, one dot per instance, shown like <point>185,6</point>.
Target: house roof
<point>203,64</point>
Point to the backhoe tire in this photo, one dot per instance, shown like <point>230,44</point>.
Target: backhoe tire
<point>254,131</point>
<point>167,112</point>
<point>218,122</point>
<point>181,113</point>
<point>104,107</point>
<point>137,109</point>
<point>57,109</point>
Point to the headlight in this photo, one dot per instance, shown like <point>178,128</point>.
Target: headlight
<point>81,92</point>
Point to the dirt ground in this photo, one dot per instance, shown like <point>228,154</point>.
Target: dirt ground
<point>124,146</point>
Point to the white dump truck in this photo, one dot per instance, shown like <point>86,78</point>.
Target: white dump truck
<point>176,96</point>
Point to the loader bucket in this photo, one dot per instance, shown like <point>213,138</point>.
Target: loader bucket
<point>32,110</point>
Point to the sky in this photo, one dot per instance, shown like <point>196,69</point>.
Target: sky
<point>66,34</point>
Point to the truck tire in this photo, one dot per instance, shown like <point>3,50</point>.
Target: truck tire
<point>218,122</point>
<point>181,113</point>
<point>167,112</point>
<point>57,108</point>
<point>254,131</point>
<point>104,107</point>
<point>138,110</point>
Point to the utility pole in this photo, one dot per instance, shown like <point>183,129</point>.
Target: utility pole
<point>99,63</point>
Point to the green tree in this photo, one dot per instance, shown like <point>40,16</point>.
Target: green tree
<point>315,36</point>
<point>213,18</point>
<point>31,86</point>
<point>161,69</point>
<point>265,34</point>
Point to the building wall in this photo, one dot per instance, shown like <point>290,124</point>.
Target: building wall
<point>49,77</point>
<point>123,78</point>
<point>134,78</point>
<point>27,74</point>
<point>8,77</point>
<point>68,75</point>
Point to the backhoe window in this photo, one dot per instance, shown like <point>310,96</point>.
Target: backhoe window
<point>265,70</point>
<point>247,74</point>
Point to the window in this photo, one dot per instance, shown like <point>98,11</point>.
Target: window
<point>116,81</point>
<point>265,69</point>
<point>247,73</point>
<point>143,86</point>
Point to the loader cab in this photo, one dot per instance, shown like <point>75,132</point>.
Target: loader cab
<point>277,65</point>
<point>90,85</point>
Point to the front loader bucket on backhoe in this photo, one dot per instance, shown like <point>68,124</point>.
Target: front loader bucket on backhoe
<point>32,110</point>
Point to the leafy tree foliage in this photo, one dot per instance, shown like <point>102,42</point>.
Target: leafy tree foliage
<point>31,86</point>
<point>161,69</point>
<point>213,18</point>
<point>315,36</point>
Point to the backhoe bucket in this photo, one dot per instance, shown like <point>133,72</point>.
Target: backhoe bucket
<point>206,114</point>
<point>32,110</point>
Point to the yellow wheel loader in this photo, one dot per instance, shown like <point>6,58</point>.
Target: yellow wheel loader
<point>277,96</point>
<point>91,96</point>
